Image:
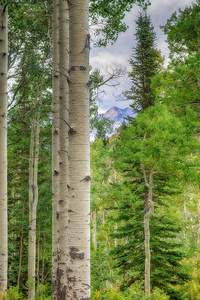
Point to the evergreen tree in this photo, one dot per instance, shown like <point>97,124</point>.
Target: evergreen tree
<point>156,156</point>
<point>144,61</point>
<point>110,14</point>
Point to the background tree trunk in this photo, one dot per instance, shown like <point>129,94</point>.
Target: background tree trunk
<point>63,148</point>
<point>55,147</point>
<point>3,147</point>
<point>149,209</point>
<point>79,145</point>
<point>95,229</point>
<point>33,197</point>
<point>32,220</point>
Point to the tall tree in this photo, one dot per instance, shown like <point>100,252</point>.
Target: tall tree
<point>62,213</point>
<point>3,147</point>
<point>78,271</point>
<point>55,145</point>
<point>179,85</point>
<point>33,193</point>
<point>144,62</point>
<point>154,147</point>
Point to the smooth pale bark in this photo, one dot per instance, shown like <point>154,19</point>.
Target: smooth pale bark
<point>94,236</point>
<point>43,252</point>
<point>55,148</point>
<point>33,199</point>
<point>78,272</point>
<point>3,147</point>
<point>21,246</point>
<point>149,210</point>
<point>38,260</point>
<point>115,240</point>
<point>32,220</point>
<point>62,214</point>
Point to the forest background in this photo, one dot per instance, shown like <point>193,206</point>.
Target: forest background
<point>144,179</point>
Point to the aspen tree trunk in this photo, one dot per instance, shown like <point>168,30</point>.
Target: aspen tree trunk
<point>38,261</point>
<point>33,200</point>
<point>43,251</point>
<point>115,206</point>
<point>79,165</point>
<point>149,210</point>
<point>21,248</point>
<point>32,220</point>
<point>55,148</point>
<point>63,149</point>
<point>95,229</point>
<point>3,147</point>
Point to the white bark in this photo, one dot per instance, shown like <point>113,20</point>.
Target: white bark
<point>79,190</point>
<point>33,198</point>
<point>63,148</point>
<point>38,261</point>
<point>3,146</point>
<point>32,220</point>
<point>94,236</point>
<point>55,148</point>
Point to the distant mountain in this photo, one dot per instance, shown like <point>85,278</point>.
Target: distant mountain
<point>118,115</point>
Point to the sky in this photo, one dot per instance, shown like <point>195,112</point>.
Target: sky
<point>107,59</point>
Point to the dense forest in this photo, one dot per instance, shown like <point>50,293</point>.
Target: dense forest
<point>144,179</point>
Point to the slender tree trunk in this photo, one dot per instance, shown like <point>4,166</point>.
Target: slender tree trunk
<point>149,210</point>
<point>79,167</point>
<point>21,249</point>
<point>43,252</point>
<point>21,246</point>
<point>63,149</point>
<point>115,206</point>
<point>95,229</point>
<point>32,221</point>
<point>3,147</point>
<point>55,148</point>
<point>33,199</point>
<point>38,261</point>
<point>103,217</point>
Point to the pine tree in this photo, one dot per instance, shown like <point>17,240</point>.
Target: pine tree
<point>144,62</point>
<point>149,151</point>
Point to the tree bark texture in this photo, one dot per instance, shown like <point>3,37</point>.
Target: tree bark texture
<point>33,197</point>
<point>149,210</point>
<point>3,147</point>
<point>78,272</point>
<point>94,236</point>
<point>55,147</point>
<point>32,220</point>
<point>62,214</point>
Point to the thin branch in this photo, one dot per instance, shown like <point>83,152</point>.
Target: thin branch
<point>13,143</point>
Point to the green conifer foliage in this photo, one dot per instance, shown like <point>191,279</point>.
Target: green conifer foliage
<point>110,14</point>
<point>144,61</point>
<point>158,143</point>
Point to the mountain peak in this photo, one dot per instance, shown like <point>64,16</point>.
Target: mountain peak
<point>118,114</point>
